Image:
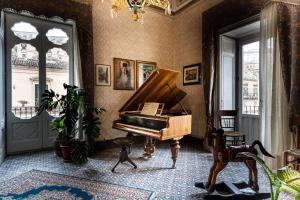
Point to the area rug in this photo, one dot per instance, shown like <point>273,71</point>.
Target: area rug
<point>38,185</point>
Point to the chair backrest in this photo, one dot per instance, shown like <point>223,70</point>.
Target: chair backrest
<point>227,119</point>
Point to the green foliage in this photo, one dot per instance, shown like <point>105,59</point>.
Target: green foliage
<point>58,125</point>
<point>285,179</point>
<point>74,111</point>
<point>69,104</point>
<point>91,121</point>
<point>79,152</point>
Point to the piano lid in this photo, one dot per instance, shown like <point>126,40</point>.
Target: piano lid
<point>160,87</point>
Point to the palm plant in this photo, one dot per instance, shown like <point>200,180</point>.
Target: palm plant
<point>283,180</point>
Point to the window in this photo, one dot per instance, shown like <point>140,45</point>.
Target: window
<point>25,70</point>
<point>57,36</point>
<point>250,78</point>
<point>24,31</point>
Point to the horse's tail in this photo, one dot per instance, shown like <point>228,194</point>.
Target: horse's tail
<point>261,148</point>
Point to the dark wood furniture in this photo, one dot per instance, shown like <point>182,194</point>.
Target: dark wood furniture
<point>125,144</point>
<point>160,87</point>
<point>228,122</point>
<point>292,156</point>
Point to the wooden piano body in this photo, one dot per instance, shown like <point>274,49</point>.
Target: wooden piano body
<point>160,87</point>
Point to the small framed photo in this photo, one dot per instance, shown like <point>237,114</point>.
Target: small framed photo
<point>103,75</point>
<point>124,74</point>
<point>192,74</point>
<point>144,70</point>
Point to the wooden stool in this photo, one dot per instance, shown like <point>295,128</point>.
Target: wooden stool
<point>125,144</point>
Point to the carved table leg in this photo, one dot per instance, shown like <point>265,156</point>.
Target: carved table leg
<point>149,147</point>
<point>174,150</point>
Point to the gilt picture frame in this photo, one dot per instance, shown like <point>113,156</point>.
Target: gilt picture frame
<point>102,75</point>
<point>124,74</point>
<point>144,70</point>
<point>192,74</point>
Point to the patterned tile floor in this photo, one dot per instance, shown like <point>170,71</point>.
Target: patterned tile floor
<point>154,174</point>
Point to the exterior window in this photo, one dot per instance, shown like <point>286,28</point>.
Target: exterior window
<point>25,70</point>
<point>57,68</point>
<point>57,36</point>
<point>250,81</point>
<point>24,31</point>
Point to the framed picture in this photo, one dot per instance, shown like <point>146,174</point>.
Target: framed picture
<point>103,75</point>
<point>144,70</point>
<point>124,74</point>
<point>192,74</point>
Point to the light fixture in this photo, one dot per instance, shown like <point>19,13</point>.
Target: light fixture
<point>137,7</point>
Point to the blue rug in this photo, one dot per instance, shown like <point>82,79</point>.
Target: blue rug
<point>38,185</point>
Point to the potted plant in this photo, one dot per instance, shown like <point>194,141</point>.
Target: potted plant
<point>90,126</point>
<point>69,104</point>
<point>76,116</point>
<point>282,180</point>
<point>58,125</point>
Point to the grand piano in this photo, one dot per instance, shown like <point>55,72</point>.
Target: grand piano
<point>168,124</point>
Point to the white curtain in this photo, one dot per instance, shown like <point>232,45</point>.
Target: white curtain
<point>78,77</point>
<point>274,111</point>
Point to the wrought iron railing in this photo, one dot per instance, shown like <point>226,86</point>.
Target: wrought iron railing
<point>251,110</point>
<point>27,112</point>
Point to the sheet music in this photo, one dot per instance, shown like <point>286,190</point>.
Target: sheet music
<point>150,108</point>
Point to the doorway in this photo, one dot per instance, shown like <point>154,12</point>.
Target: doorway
<point>38,56</point>
<point>239,77</point>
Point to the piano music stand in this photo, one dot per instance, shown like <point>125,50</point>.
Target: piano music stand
<point>125,150</point>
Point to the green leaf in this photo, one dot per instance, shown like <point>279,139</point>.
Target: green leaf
<point>289,177</point>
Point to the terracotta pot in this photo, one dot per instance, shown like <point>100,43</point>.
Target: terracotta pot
<point>66,153</point>
<point>57,148</point>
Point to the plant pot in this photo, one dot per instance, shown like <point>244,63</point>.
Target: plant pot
<point>57,148</point>
<point>66,153</point>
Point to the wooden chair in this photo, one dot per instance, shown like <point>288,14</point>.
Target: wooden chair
<point>292,156</point>
<point>228,122</point>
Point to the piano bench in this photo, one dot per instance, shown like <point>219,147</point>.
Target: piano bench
<point>125,143</point>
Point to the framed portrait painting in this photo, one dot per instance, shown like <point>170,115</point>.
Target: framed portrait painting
<point>192,74</point>
<point>124,74</point>
<point>103,75</point>
<point>144,70</point>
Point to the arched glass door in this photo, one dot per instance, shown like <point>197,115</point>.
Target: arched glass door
<point>39,56</point>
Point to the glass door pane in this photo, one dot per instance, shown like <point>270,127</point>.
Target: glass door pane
<point>25,77</point>
<point>57,73</point>
<point>250,79</point>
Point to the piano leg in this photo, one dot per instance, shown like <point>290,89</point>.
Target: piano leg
<point>174,150</point>
<point>149,147</point>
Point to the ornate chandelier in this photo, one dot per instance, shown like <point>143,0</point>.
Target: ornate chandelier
<point>137,7</point>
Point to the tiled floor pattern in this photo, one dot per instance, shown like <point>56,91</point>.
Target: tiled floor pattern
<point>153,174</point>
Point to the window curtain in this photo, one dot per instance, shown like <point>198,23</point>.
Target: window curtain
<point>78,78</point>
<point>274,111</point>
<point>2,95</point>
<point>289,42</point>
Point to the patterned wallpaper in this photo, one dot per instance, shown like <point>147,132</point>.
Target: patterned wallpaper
<point>172,42</point>
<point>188,45</point>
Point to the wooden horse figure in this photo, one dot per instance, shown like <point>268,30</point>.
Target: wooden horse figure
<point>223,155</point>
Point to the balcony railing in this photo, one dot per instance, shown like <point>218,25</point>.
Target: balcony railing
<point>250,96</point>
<point>27,112</point>
<point>251,110</point>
